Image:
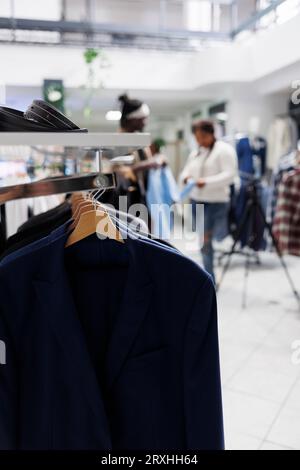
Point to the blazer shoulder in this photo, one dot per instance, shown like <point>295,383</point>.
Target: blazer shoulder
<point>171,264</point>
<point>19,270</point>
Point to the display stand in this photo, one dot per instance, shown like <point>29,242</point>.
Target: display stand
<point>77,139</point>
<point>94,141</point>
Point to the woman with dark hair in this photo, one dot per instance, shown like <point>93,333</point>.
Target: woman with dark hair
<point>134,114</point>
<point>213,166</point>
<point>132,180</point>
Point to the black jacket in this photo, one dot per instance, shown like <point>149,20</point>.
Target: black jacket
<point>109,346</point>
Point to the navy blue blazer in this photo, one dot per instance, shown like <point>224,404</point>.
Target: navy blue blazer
<point>108,346</point>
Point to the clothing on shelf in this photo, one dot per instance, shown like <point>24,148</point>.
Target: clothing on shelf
<point>42,225</point>
<point>37,227</point>
<point>282,139</point>
<point>13,174</point>
<point>245,156</point>
<point>129,184</point>
<point>286,224</point>
<point>16,211</point>
<point>252,165</point>
<point>253,232</point>
<point>252,154</point>
<point>286,163</point>
<point>99,354</point>
<point>162,192</point>
<point>259,149</point>
<point>42,204</point>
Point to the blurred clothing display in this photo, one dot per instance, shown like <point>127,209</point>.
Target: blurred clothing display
<point>259,149</point>
<point>162,192</point>
<point>286,164</point>
<point>282,139</point>
<point>93,337</point>
<point>253,231</point>
<point>286,224</point>
<point>42,204</point>
<point>245,156</point>
<point>37,227</point>
<point>16,212</point>
<point>130,183</point>
<point>252,154</point>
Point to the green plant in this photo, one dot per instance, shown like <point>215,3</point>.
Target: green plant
<point>90,55</point>
<point>96,61</point>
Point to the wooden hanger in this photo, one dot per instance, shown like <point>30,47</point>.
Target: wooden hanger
<point>79,203</point>
<point>82,203</point>
<point>93,221</point>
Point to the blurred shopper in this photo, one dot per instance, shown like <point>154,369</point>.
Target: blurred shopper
<point>213,167</point>
<point>133,178</point>
<point>133,119</point>
<point>134,114</point>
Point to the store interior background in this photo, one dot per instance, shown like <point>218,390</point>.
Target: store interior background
<point>187,59</point>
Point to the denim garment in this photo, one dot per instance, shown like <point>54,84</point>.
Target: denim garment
<point>162,192</point>
<point>215,222</point>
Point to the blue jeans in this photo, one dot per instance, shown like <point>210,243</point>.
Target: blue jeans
<point>215,228</point>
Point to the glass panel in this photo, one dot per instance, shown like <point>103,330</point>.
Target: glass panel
<point>287,10</point>
<point>5,9</point>
<point>37,10</point>
<point>198,15</point>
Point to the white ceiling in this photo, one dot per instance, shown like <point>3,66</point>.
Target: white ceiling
<point>171,83</point>
<point>165,105</point>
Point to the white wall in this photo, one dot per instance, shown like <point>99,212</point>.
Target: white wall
<point>248,75</point>
<point>260,56</point>
<point>246,104</point>
<point>275,48</point>
<point>28,66</point>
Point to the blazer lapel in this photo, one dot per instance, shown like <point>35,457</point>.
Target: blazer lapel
<point>55,296</point>
<point>55,302</point>
<point>135,305</point>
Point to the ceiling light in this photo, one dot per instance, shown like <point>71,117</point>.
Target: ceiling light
<point>113,115</point>
<point>222,116</point>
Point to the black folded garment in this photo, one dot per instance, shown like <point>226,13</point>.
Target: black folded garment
<point>39,117</point>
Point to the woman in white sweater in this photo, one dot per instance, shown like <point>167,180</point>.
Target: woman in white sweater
<point>214,167</point>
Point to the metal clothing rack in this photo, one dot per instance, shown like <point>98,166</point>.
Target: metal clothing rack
<point>68,139</point>
<point>66,184</point>
<point>252,206</point>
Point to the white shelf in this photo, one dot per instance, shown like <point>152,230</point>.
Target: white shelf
<point>65,139</point>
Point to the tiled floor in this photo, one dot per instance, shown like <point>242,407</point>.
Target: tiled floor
<point>261,384</point>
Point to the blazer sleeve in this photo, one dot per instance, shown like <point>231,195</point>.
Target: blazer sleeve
<point>203,399</point>
<point>8,390</point>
